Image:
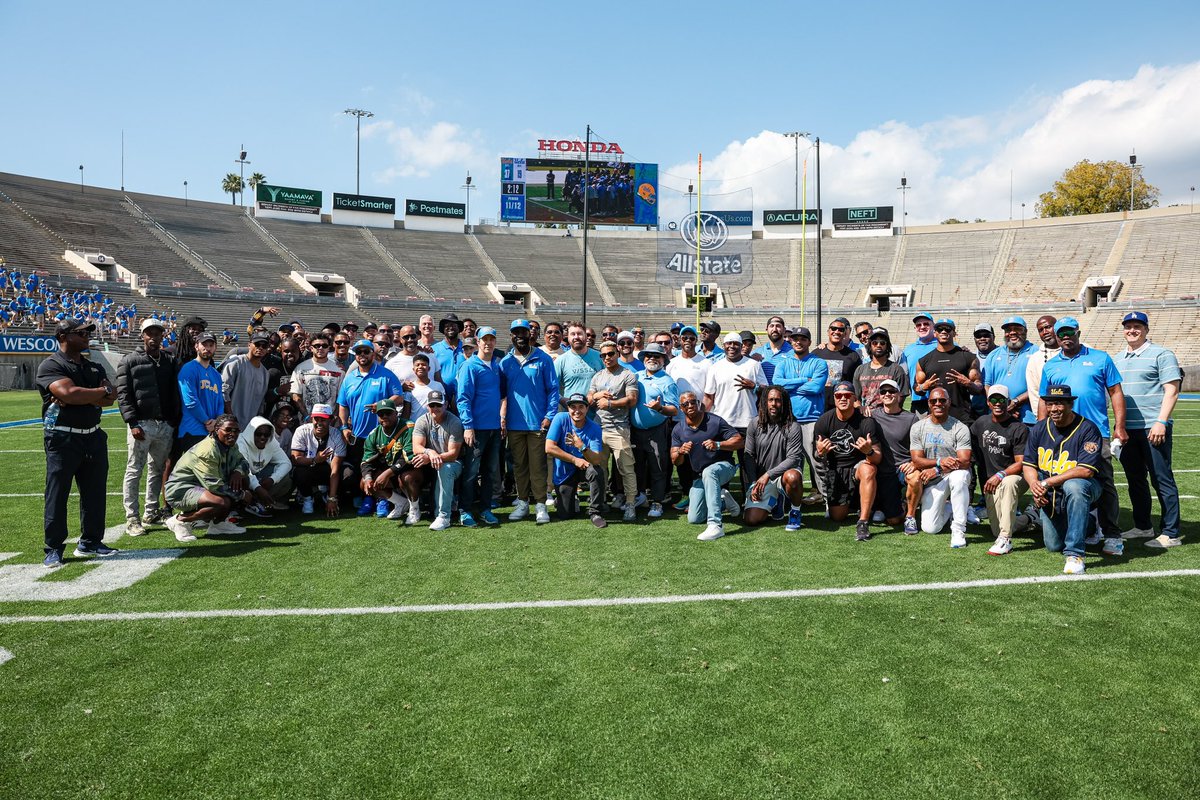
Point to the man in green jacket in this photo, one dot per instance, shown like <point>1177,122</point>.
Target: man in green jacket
<point>208,481</point>
<point>387,469</point>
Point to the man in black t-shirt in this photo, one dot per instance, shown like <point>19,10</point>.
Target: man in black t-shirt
<point>851,446</point>
<point>954,369</point>
<point>895,423</point>
<point>843,359</point>
<point>999,444</point>
<point>73,391</point>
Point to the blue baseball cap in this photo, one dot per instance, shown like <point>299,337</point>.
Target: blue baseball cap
<point>1136,316</point>
<point>1066,322</point>
<point>1014,321</point>
<point>689,329</point>
<point>519,323</point>
<point>676,327</point>
<point>485,331</point>
<point>945,321</point>
<point>923,315</point>
<point>361,343</point>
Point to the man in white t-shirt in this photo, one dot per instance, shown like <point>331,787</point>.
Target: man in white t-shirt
<point>316,380</point>
<point>731,389</point>
<point>422,385</point>
<point>689,368</point>
<point>401,364</point>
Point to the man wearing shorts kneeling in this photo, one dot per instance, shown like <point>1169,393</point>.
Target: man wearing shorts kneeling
<point>774,458</point>
<point>208,482</point>
<point>851,446</point>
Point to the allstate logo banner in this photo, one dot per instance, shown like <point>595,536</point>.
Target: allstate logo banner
<point>702,242</point>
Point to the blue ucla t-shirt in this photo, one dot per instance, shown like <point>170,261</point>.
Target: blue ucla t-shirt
<point>560,428</point>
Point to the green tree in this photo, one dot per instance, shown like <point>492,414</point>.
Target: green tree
<point>233,185</point>
<point>954,221</point>
<point>1096,188</point>
<point>254,180</point>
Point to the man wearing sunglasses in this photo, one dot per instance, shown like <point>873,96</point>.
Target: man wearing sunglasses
<point>941,453</point>
<point>317,379</point>
<point>804,376</point>
<point>1095,381</point>
<point>1008,365</point>
<point>951,367</point>
<point>912,355</point>
<point>851,445</point>
<point>841,357</point>
<point>401,364</point>
<point>896,424</point>
<point>999,444</point>
<point>245,381</point>
<point>614,392</point>
<point>879,367</point>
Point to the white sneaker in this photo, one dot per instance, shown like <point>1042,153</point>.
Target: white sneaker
<point>306,507</point>
<point>1114,546</point>
<point>1162,542</point>
<point>520,511</point>
<point>972,517</point>
<point>1138,533</point>
<point>713,531</point>
<point>731,506</point>
<point>414,512</point>
<point>440,523</point>
<point>1074,566</point>
<point>226,527</point>
<point>655,511</point>
<point>1002,547</point>
<point>551,499</point>
<point>958,539</point>
<point>181,529</point>
<point>133,527</point>
<point>400,506</point>
<point>640,500</point>
<point>543,516</point>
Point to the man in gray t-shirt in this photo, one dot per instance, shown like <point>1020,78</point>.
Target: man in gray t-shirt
<point>437,443</point>
<point>614,391</point>
<point>940,446</point>
<point>619,384</point>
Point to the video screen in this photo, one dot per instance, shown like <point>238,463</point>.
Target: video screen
<point>553,190</point>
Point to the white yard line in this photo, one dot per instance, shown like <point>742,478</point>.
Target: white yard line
<point>593,602</point>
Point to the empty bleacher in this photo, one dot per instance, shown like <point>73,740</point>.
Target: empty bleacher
<point>552,265</point>
<point>445,262</point>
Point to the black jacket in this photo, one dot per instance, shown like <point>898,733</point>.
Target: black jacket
<point>138,388</point>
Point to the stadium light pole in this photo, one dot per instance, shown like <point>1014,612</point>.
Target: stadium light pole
<point>241,159</point>
<point>358,114</point>
<point>587,168</point>
<point>1132,178</point>
<point>904,187</point>
<point>1192,201</point>
<point>185,194</point>
<point>691,192</point>
<point>81,178</point>
<point>817,144</point>
<point>797,135</point>
<point>469,188</point>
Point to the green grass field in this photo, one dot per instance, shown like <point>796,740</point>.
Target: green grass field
<point>316,677</point>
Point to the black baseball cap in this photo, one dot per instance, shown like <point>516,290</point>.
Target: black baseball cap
<point>73,326</point>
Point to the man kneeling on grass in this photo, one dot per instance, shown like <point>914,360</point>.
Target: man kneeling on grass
<point>774,458</point>
<point>208,481</point>
<point>575,442</point>
<point>437,444</point>
<point>941,456</point>
<point>388,471</point>
<point>851,446</point>
<point>706,443</point>
<point>270,473</point>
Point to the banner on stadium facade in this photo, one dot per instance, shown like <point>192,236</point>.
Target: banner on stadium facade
<point>288,200</point>
<point>430,208</point>
<point>11,344</point>
<point>723,259</point>
<point>362,202</point>
<point>735,219</point>
<point>867,218</point>
<point>792,216</point>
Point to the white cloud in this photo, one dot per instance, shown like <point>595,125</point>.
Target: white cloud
<point>961,166</point>
<point>419,152</point>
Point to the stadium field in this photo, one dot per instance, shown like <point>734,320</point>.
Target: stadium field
<point>358,658</point>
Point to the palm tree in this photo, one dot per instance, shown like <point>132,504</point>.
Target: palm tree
<point>254,180</point>
<point>233,184</point>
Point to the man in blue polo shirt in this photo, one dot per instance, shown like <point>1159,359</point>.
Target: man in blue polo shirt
<point>1150,377</point>
<point>1094,379</point>
<point>1062,461</point>
<point>706,442</point>
<point>777,346</point>
<point>1006,365</point>
<point>912,354</point>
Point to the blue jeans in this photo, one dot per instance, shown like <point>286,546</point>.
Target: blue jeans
<point>704,499</point>
<point>1141,459</point>
<point>1071,514</point>
<point>483,462</point>
<point>443,492</point>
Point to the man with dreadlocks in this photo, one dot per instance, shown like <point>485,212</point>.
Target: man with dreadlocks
<point>774,458</point>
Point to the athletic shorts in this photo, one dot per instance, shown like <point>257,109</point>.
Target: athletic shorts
<point>889,494</point>
<point>186,499</point>
<point>772,496</point>
<point>841,486</point>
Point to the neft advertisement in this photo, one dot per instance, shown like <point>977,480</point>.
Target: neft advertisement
<point>863,219</point>
<point>289,200</point>
<point>362,202</point>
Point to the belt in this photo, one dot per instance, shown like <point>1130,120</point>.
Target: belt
<point>65,429</point>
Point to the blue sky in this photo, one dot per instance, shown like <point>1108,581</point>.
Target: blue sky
<point>958,97</point>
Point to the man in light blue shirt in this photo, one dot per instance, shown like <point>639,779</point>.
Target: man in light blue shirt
<point>777,346</point>
<point>804,375</point>
<point>1150,378</point>
<point>1006,365</point>
<point>912,354</point>
<point>658,402</point>
<point>575,368</point>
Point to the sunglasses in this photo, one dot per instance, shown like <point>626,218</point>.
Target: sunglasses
<point>341,341</point>
<point>637,331</point>
<point>843,395</point>
<point>1067,333</point>
<point>998,399</point>
<point>943,329</point>
<point>686,403</point>
<point>838,328</point>
<point>320,345</point>
<point>888,390</point>
<point>939,401</point>
<point>608,353</point>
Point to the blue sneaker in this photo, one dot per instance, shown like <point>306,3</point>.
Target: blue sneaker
<point>683,503</point>
<point>382,508</point>
<point>778,509</point>
<point>910,526</point>
<point>795,520</point>
<point>102,550</point>
<point>467,520</point>
<point>489,518</point>
<point>53,559</point>
<point>367,508</point>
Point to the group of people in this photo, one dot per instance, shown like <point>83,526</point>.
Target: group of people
<point>397,421</point>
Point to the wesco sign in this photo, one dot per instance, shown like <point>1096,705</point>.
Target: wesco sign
<point>12,343</point>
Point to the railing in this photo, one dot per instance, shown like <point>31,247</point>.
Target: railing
<point>279,247</point>
<point>201,261</point>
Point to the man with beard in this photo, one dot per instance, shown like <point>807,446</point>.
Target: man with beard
<point>1038,358</point>
<point>999,443</point>
<point>148,397</point>
<point>657,404</point>
<point>851,446</point>
<point>614,391</point>
<point>245,380</point>
<point>708,344</point>
<point>1008,364</point>
<point>951,367</point>
<point>531,401</point>
<point>574,443</point>
<point>201,395</point>
<point>776,346</point>
<point>1095,381</point>
<point>774,460</point>
<point>842,358</point>
<point>804,376</point>
<point>319,455</point>
<point>575,368</point>
<point>209,481</point>
<point>449,355</point>
<point>913,353</point>
<point>941,455</point>
<point>363,386</point>
<point>401,364</point>
<point>1061,465</point>
<point>877,368</point>
<point>479,406</point>
<point>317,379</point>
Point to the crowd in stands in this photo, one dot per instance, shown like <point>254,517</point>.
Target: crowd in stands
<point>448,421</point>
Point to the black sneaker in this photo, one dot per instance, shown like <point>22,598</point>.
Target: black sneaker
<point>862,531</point>
<point>102,550</point>
<point>53,559</point>
<point>258,510</point>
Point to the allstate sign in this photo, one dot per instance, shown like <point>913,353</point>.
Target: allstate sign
<point>27,343</point>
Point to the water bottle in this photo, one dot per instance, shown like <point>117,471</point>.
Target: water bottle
<point>51,418</point>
